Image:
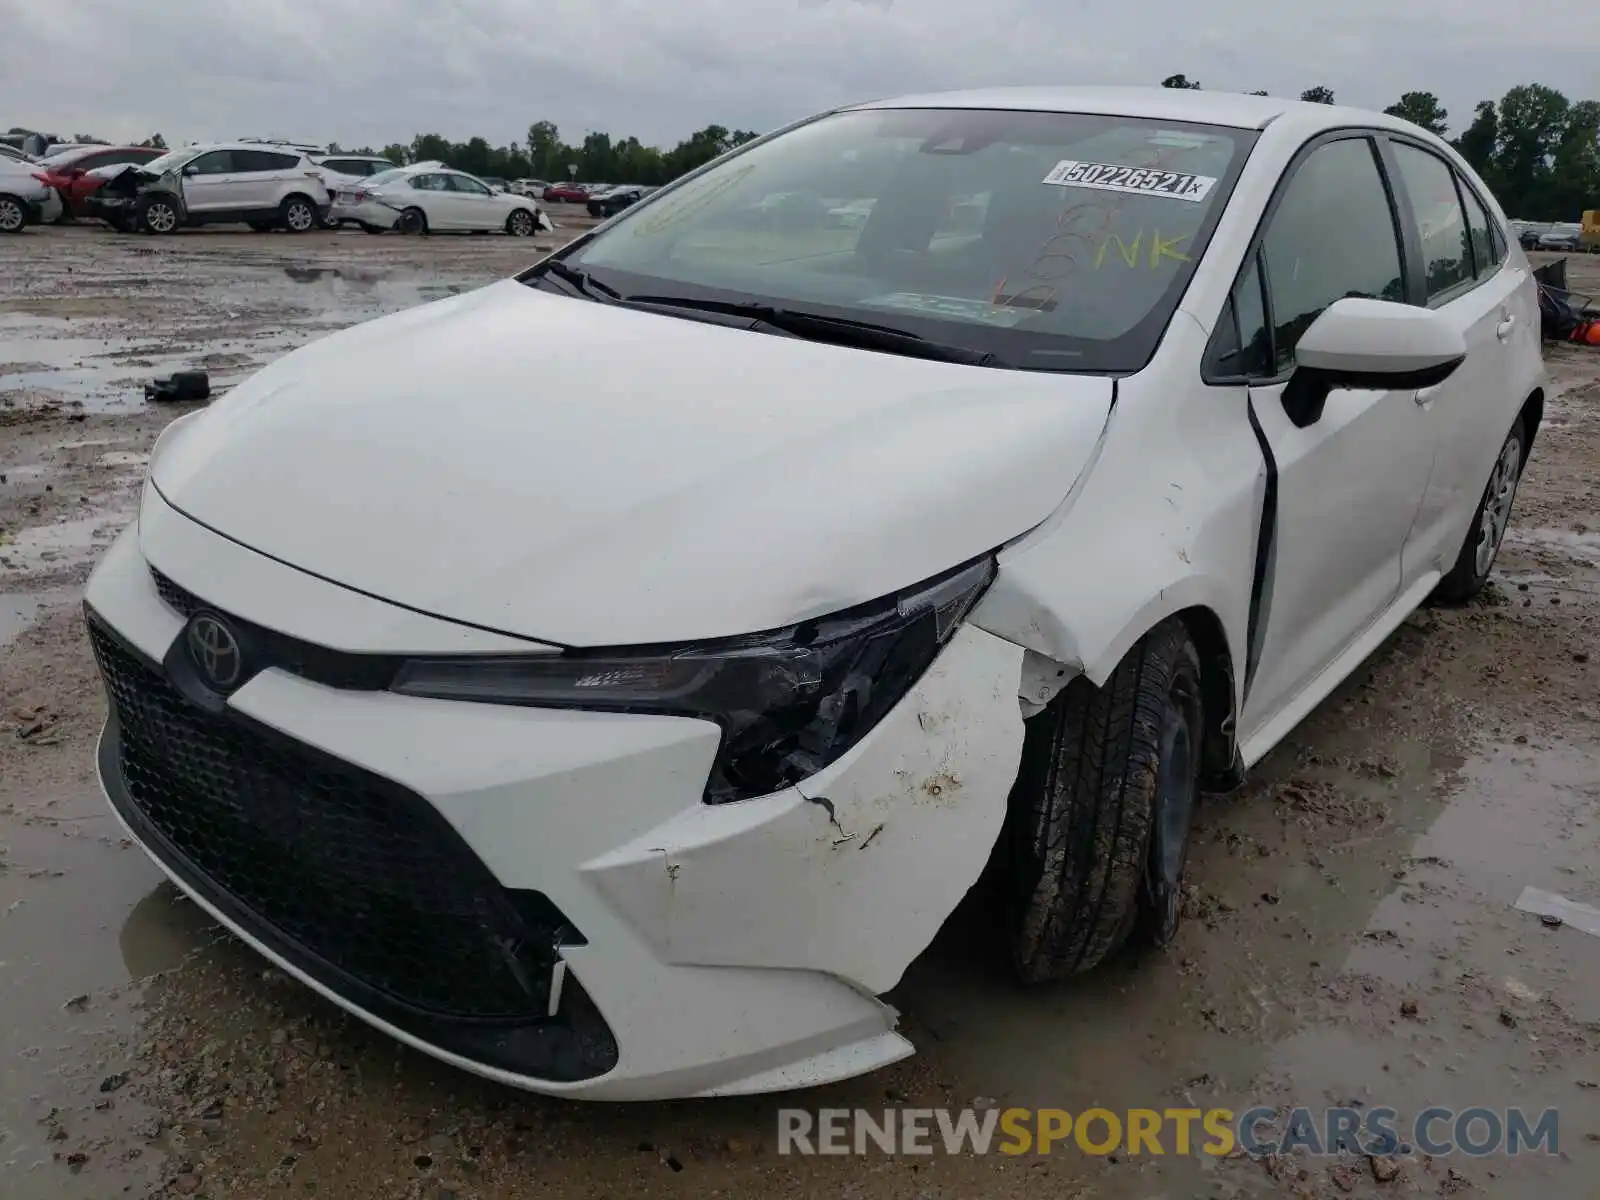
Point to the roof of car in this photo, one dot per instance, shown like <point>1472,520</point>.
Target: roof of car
<point>1164,104</point>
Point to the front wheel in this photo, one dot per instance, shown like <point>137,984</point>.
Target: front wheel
<point>158,214</point>
<point>1098,827</point>
<point>13,216</point>
<point>413,220</point>
<point>1493,514</point>
<point>521,223</point>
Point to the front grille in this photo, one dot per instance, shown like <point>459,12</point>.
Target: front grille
<point>365,876</point>
<point>178,598</point>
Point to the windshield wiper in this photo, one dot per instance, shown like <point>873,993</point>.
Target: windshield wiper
<point>581,280</point>
<point>820,327</point>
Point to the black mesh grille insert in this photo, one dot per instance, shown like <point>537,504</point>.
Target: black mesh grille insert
<point>361,873</point>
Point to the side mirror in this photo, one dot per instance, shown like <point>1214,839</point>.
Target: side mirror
<point>1377,345</point>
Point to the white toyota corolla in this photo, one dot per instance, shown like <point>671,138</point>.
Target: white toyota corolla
<point>610,679</point>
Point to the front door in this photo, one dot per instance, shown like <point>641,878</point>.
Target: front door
<point>474,203</point>
<point>212,183</point>
<point>1349,482</point>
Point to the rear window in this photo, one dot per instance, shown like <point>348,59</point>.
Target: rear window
<point>1056,241</point>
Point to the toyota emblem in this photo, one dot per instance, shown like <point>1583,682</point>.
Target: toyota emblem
<point>215,651</point>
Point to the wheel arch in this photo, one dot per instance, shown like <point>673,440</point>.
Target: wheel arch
<point>1221,767</point>
<point>1078,651</point>
<point>1532,415</point>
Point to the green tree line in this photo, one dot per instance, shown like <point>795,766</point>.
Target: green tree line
<point>598,158</point>
<point>1538,151</point>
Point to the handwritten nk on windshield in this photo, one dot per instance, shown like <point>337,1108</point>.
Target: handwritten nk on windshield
<point>1159,248</point>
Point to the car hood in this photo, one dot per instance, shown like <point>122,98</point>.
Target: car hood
<point>587,474</point>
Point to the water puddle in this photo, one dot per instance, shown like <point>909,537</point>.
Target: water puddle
<point>18,612</point>
<point>25,473</point>
<point>263,311</point>
<point>1583,547</point>
<point>52,547</point>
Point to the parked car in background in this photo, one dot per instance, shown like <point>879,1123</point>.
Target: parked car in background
<point>608,202</point>
<point>78,173</point>
<point>567,193</point>
<point>1562,237</point>
<point>13,154</point>
<point>432,198</point>
<point>495,182</point>
<point>529,187</point>
<point>265,186</point>
<point>343,174</point>
<point>24,198</point>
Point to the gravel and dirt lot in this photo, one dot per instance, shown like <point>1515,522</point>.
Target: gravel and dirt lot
<point>1351,936</point>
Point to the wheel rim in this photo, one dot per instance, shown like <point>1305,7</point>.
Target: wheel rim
<point>1498,498</point>
<point>10,216</point>
<point>1177,776</point>
<point>300,217</point>
<point>161,218</point>
<point>521,224</point>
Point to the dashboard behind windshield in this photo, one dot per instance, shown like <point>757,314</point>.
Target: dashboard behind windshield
<point>1055,241</point>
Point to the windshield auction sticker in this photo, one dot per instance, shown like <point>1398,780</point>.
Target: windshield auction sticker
<point>1138,181</point>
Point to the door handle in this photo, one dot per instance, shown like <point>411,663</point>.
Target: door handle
<point>1503,330</point>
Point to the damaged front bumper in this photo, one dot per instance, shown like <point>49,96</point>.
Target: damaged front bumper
<point>663,947</point>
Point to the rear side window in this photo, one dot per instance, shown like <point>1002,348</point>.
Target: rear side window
<point>263,160</point>
<point>1332,236</point>
<point>1485,254</point>
<point>1430,185</point>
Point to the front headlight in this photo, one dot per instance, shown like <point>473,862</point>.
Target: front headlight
<point>789,702</point>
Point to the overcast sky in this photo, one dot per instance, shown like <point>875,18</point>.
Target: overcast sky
<point>382,70</point>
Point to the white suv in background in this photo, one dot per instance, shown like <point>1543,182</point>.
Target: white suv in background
<point>344,173</point>
<point>263,186</point>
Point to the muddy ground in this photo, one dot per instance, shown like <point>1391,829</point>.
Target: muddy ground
<point>1352,935</point>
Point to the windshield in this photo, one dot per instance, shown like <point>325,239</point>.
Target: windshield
<point>174,158</point>
<point>1055,241</point>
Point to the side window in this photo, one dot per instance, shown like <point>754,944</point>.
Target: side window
<point>1497,239</point>
<point>111,158</point>
<point>1431,185</point>
<point>429,183</point>
<point>216,162</point>
<point>262,160</point>
<point>1332,236</point>
<point>1485,256</point>
<point>460,183</point>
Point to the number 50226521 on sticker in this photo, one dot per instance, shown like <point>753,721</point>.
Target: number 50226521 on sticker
<point>1141,181</point>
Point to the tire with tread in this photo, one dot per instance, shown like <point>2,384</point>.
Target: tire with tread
<point>1475,563</point>
<point>13,214</point>
<point>298,214</point>
<point>1096,766</point>
<point>413,220</point>
<point>158,214</point>
<point>522,223</point>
